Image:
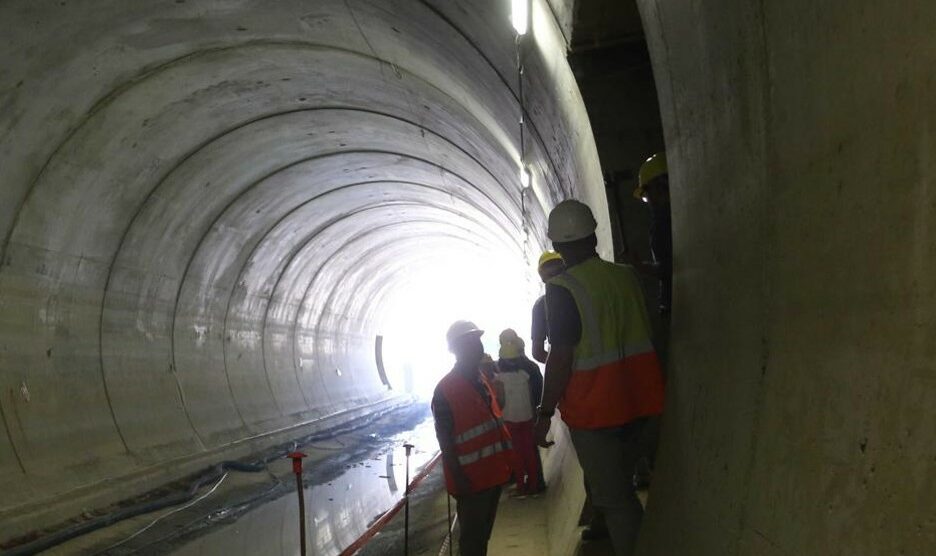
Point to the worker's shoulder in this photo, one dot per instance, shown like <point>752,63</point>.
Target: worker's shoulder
<point>618,269</point>
<point>610,265</point>
<point>444,382</point>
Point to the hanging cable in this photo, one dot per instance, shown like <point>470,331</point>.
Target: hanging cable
<point>520,14</point>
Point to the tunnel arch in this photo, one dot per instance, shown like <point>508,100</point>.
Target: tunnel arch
<point>203,218</point>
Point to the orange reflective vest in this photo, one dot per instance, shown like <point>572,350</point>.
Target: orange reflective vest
<point>482,443</point>
<point>616,376</point>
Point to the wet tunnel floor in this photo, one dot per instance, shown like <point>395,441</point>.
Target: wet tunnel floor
<point>350,480</point>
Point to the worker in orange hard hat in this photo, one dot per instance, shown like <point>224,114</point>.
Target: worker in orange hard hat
<point>550,264</point>
<point>477,453</point>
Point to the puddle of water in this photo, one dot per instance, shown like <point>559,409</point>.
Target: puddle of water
<point>338,512</point>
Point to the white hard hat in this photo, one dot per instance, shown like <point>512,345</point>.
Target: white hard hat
<point>569,221</point>
<point>461,328</point>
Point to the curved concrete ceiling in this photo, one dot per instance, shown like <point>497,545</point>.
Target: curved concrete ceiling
<point>205,205</point>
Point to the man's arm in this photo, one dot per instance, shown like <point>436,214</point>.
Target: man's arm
<point>536,384</point>
<point>558,373</point>
<point>445,433</point>
<point>538,330</point>
<point>565,329</point>
<point>539,350</point>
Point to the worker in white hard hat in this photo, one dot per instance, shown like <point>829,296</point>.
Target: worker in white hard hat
<point>550,264</point>
<point>477,454</point>
<point>602,372</point>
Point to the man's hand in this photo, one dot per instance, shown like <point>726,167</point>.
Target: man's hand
<point>540,430</point>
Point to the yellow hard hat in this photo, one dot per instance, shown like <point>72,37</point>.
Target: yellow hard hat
<point>548,256</point>
<point>511,346</point>
<point>508,335</point>
<point>510,351</point>
<point>652,168</point>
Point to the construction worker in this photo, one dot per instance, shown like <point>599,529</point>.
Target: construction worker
<point>653,189</point>
<point>476,448</point>
<point>519,384</point>
<point>602,371</point>
<point>550,264</point>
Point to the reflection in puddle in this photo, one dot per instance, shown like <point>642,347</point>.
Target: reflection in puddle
<point>338,511</point>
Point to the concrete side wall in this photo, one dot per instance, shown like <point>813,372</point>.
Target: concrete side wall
<point>202,208</point>
<point>801,403</point>
<point>564,13</point>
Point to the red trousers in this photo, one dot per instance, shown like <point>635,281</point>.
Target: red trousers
<point>527,471</point>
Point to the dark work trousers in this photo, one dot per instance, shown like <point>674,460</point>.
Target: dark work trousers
<point>476,513</point>
<point>608,457</point>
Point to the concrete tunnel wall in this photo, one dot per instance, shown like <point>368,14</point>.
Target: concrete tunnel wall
<point>801,414</point>
<point>203,204</point>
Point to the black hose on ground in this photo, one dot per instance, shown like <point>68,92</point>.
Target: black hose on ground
<point>212,474</point>
<point>86,527</point>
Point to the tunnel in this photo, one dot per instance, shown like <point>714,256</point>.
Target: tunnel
<point>213,213</point>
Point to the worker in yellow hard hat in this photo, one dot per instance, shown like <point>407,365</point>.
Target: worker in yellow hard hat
<point>550,264</point>
<point>653,188</point>
<point>519,385</point>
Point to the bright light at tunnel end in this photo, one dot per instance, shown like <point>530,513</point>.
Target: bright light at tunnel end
<point>496,291</point>
<point>519,15</point>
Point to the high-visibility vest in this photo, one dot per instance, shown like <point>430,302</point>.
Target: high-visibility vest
<point>616,376</point>
<point>482,442</point>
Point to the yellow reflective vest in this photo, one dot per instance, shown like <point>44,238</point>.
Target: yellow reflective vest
<point>616,376</point>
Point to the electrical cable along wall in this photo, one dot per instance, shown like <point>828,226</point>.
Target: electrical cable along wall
<point>204,205</point>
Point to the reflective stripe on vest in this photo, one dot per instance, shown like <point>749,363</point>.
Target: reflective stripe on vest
<point>488,450</point>
<point>477,431</point>
<point>616,375</point>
